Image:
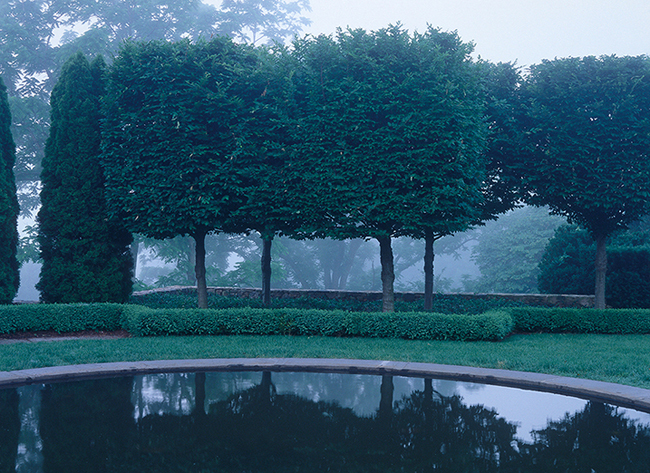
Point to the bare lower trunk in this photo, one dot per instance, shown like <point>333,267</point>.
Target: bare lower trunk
<point>601,271</point>
<point>201,284</point>
<point>429,256</point>
<point>266,269</point>
<point>387,274</point>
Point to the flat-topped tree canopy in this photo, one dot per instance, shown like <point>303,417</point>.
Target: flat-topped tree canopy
<point>588,157</point>
<point>172,135</point>
<point>392,133</point>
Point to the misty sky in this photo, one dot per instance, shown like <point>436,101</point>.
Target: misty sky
<point>525,31</point>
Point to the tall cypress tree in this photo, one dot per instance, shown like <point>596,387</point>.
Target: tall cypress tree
<point>9,278</point>
<point>85,254</point>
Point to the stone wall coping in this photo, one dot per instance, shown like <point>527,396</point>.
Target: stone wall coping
<point>549,300</point>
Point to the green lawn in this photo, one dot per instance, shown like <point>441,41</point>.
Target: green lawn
<point>621,359</point>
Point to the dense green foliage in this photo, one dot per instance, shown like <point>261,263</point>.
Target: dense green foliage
<point>61,318</point>
<point>143,321</point>
<point>85,253</point>
<point>31,58</point>
<point>392,134</point>
<point>9,277</point>
<point>492,324</point>
<point>567,266</point>
<point>171,144</point>
<point>614,321</point>
<point>628,277</point>
<point>588,125</point>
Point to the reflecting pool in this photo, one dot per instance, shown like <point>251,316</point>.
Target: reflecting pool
<point>311,422</point>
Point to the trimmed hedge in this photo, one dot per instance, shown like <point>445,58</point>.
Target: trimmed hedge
<point>61,318</point>
<point>607,321</point>
<point>492,325</point>
<point>142,321</point>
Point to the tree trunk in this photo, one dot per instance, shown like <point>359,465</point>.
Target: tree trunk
<point>266,269</point>
<point>601,271</point>
<point>429,255</point>
<point>201,284</point>
<point>387,274</point>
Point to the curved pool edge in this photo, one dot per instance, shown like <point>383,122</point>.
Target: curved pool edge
<point>617,394</point>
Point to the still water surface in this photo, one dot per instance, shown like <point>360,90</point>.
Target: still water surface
<point>311,422</point>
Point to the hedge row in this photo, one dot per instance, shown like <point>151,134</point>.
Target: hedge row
<point>61,318</point>
<point>491,325</point>
<point>142,321</point>
<point>608,321</point>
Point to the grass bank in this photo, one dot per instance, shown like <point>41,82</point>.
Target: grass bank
<point>621,359</point>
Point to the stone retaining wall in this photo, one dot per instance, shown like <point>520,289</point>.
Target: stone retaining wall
<point>546,300</point>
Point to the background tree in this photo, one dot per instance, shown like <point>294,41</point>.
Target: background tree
<point>567,266</point>
<point>262,21</point>
<point>85,254</point>
<point>509,250</point>
<point>39,35</point>
<point>172,138</point>
<point>392,135</point>
<point>9,277</point>
<point>588,121</point>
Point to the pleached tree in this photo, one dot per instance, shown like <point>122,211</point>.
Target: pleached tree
<point>85,253</point>
<point>173,138</point>
<point>392,136</point>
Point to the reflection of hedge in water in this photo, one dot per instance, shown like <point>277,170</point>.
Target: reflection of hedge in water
<point>9,429</point>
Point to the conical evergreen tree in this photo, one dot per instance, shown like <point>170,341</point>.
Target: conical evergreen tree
<point>9,277</point>
<point>85,255</point>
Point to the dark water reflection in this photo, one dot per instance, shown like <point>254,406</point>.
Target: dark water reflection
<point>306,422</point>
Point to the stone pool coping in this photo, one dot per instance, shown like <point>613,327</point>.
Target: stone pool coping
<point>618,394</point>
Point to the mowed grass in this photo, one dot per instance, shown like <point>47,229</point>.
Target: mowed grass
<point>623,359</point>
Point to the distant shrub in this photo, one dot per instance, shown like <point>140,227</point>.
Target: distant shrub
<point>628,277</point>
<point>556,320</point>
<point>567,267</point>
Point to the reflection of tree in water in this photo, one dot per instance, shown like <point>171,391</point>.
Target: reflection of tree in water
<point>90,426</point>
<point>260,430</point>
<point>434,432</point>
<point>597,439</point>
<point>9,429</point>
<point>87,426</point>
